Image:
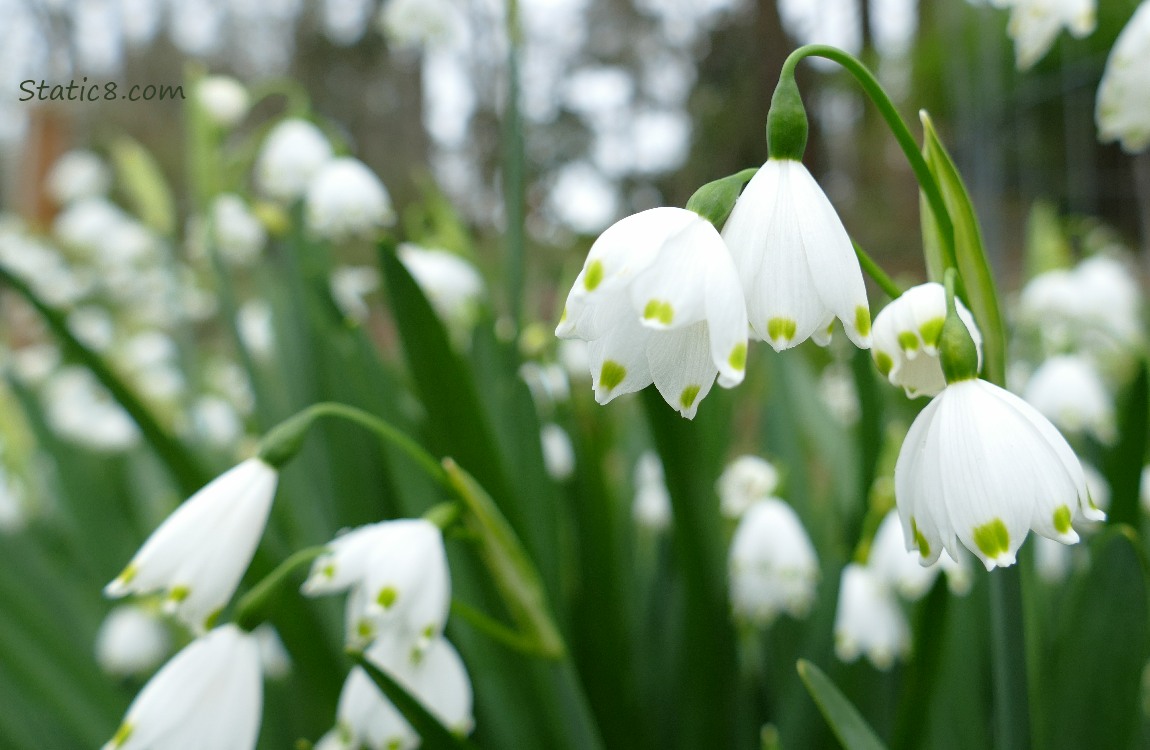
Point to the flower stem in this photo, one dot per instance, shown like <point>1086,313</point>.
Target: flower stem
<point>875,271</point>
<point>251,611</point>
<point>873,89</point>
<point>285,439</point>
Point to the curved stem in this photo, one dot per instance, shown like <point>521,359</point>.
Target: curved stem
<point>251,611</point>
<point>873,89</point>
<point>875,271</point>
<point>283,441</point>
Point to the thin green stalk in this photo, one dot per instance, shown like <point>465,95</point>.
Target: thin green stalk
<point>179,460</point>
<point>1008,649</point>
<point>873,89</point>
<point>875,271</point>
<point>514,195</point>
<point>282,441</point>
<point>252,608</point>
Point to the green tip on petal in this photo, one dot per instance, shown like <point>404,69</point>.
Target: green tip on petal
<point>386,597</point>
<point>659,310</point>
<point>128,574</point>
<point>122,734</point>
<point>179,593</point>
<point>883,362</point>
<point>920,540</point>
<point>781,329</point>
<point>1062,519</point>
<point>931,330</point>
<point>992,538</point>
<point>594,275</point>
<point>738,358</point>
<point>211,620</point>
<point>612,374</point>
<point>364,629</point>
<point>862,320</point>
<point>908,341</point>
<point>688,396</point>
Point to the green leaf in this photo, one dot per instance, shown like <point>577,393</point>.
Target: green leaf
<point>844,719</point>
<point>1124,463</point>
<point>144,185</point>
<point>978,287</point>
<point>434,735</point>
<point>1094,668</point>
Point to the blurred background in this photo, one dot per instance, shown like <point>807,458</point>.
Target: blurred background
<point>626,105</point>
<point>622,105</point>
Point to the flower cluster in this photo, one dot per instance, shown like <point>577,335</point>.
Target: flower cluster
<point>664,298</point>
<point>399,588</point>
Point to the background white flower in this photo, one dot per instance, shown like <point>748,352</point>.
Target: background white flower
<point>291,155</point>
<point>1122,111</point>
<point>772,564</point>
<point>1034,25</point>
<point>1069,391</point>
<point>346,200</point>
<point>744,481</point>
<point>869,620</point>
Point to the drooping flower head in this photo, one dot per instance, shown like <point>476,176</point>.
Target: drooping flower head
<point>796,262</point>
<point>199,553</point>
<point>869,620</point>
<point>772,565</point>
<point>906,337</point>
<point>131,641</point>
<point>436,676</point>
<point>1122,111</point>
<point>223,99</point>
<point>744,481</point>
<point>1034,25</point>
<point>210,695</point>
<point>345,200</point>
<point>659,301</point>
<point>900,569</point>
<point>291,155</point>
<point>1069,391</point>
<point>982,467</point>
<point>398,576</point>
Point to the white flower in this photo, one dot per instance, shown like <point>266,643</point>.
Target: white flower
<point>199,553</point>
<point>215,421</point>
<point>1122,111</point>
<point>349,286</point>
<point>652,504</point>
<point>772,565</point>
<point>869,620</point>
<point>224,99</point>
<point>93,326</point>
<point>898,568</point>
<point>576,358</point>
<point>398,574</point>
<point>256,327</point>
<point>85,224</point>
<point>558,454</point>
<point>274,658</point>
<point>744,481</point>
<point>1097,486</point>
<point>451,284</point>
<point>906,334</point>
<point>14,510</point>
<point>981,465</point>
<point>131,641</point>
<point>239,235</point>
<point>436,676</point>
<point>797,265</point>
<point>1034,24</point>
<point>547,382</point>
<point>1051,560</point>
<point>291,155</point>
<point>1069,392</point>
<point>1100,297</point>
<point>421,22</point>
<point>345,199</point>
<point>659,301</point>
<point>209,695</point>
<point>76,175</point>
<point>81,410</point>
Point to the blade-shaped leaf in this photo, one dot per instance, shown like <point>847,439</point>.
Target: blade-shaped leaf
<point>970,254</point>
<point>844,719</point>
